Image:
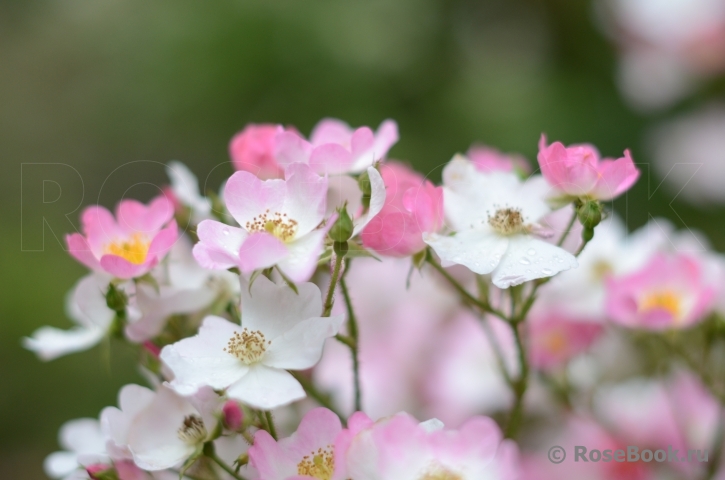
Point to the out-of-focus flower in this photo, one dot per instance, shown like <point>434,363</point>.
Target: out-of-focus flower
<point>280,224</point>
<point>185,191</point>
<point>667,47</point>
<point>412,205</point>
<point>671,291</point>
<point>280,330</point>
<point>335,148</point>
<point>159,430</point>
<point>129,245</point>
<point>464,377</point>
<point>84,445</point>
<point>577,171</point>
<point>399,330</point>
<point>400,448</point>
<point>495,218</point>
<point>555,339</point>
<point>253,150</point>
<point>487,160</point>
<point>86,306</point>
<point>308,453</point>
<point>689,153</point>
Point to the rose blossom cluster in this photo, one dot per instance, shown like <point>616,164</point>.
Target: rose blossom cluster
<point>335,315</point>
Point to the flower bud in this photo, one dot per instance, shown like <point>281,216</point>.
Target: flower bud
<point>590,214</point>
<point>233,416</point>
<point>341,231</point>
<point>100,471</point>
<point>116,299</point>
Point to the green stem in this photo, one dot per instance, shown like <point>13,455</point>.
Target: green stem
<point>329,298</point>
<point>352,330</point>
<point>497,351</point>
<point>319,397</point>
<point>569,226</point>
<point>270,424</point>
<point>215,458</point>
<point>704,375</point>
<point>467,297</point>
<point>520,386</point>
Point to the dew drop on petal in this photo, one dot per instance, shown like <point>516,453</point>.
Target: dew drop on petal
<point>225,231</point>
<point>547,271</point>
<point>531,252</point>
<point>525,261</point>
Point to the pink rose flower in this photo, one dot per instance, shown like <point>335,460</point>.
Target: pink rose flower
<point>335,148</point>
<point>400,448</point>
<point>308,453</point>
<point>128,245</point>
<point>252,150</point>
<point>412,206</point>
<point>554,339</point>
<point>578,171</point>
<point>487,160</point>
<point>669,292</point>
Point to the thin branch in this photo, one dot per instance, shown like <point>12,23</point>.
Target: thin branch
<point>354,348</point>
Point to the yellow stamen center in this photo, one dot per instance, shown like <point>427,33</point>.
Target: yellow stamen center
<point>249,347</point>
<point>662,300</point>
<point>555,342</point>
<point>507,221</point>
<point>192,430</point>
<point>278,224</point>
<point>133,249</point>
<point>601,269</point>
<point>441,474</point>
<point>319,464</point>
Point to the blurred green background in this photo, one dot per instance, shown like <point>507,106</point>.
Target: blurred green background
<point>94,85</point>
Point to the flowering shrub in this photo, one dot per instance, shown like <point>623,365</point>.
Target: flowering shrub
<point>304,325</point>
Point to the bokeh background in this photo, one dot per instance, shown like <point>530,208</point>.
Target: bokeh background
<point>102,93</point>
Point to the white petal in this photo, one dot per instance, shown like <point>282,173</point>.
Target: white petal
<point>132,399</point>
<point>273,309</point>
<point>50,343</point>
<point>219,244</point>
<point>341,189</point>
<point>529,258</point>
<point>90,297</point>
<point>479,251</point>
<point>201,360</point>
<point>266,388</point>
<point>302,256</point>
<point>301,347</point>
<point>153,436</point>
<point>186,188</point>
<point>60,464</point>
<point>377,200</point>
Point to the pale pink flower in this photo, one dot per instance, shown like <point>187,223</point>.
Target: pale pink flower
<point>280,224</point>
<point>488,159</point>
<point>335,148</point>
<point>578,171</point>
<point>84,445</point>
<point>253,150</point>
<point>412,205</point>
<point>128,245</point>
<point>400,448</point>
<point>671,291</point>
<point>555,339</point>
<point>307,453</point>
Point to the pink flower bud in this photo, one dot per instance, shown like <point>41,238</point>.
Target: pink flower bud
<point>252,150</point>
<point>152,348</point>
<point>487,159</point>
<point>96,468</point>
<point>413,205</point>
<point>578,171</point>
<point>233,415</point>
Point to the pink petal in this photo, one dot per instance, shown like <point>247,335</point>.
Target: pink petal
<point>331,130</point>
<point>331,159</point>
<point>362,141</point>
<point>253,150</point>
<point>306,197</point>
<point>290,147</point>
<point>80,250</point>
<point>616,177</point>
<point>219,245</point>
<point>119,267</point>
<point>99,227</point>
<point>260,250</point>
<point>164,240</point>
<point>247,196</point>
<point>303,254</point>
